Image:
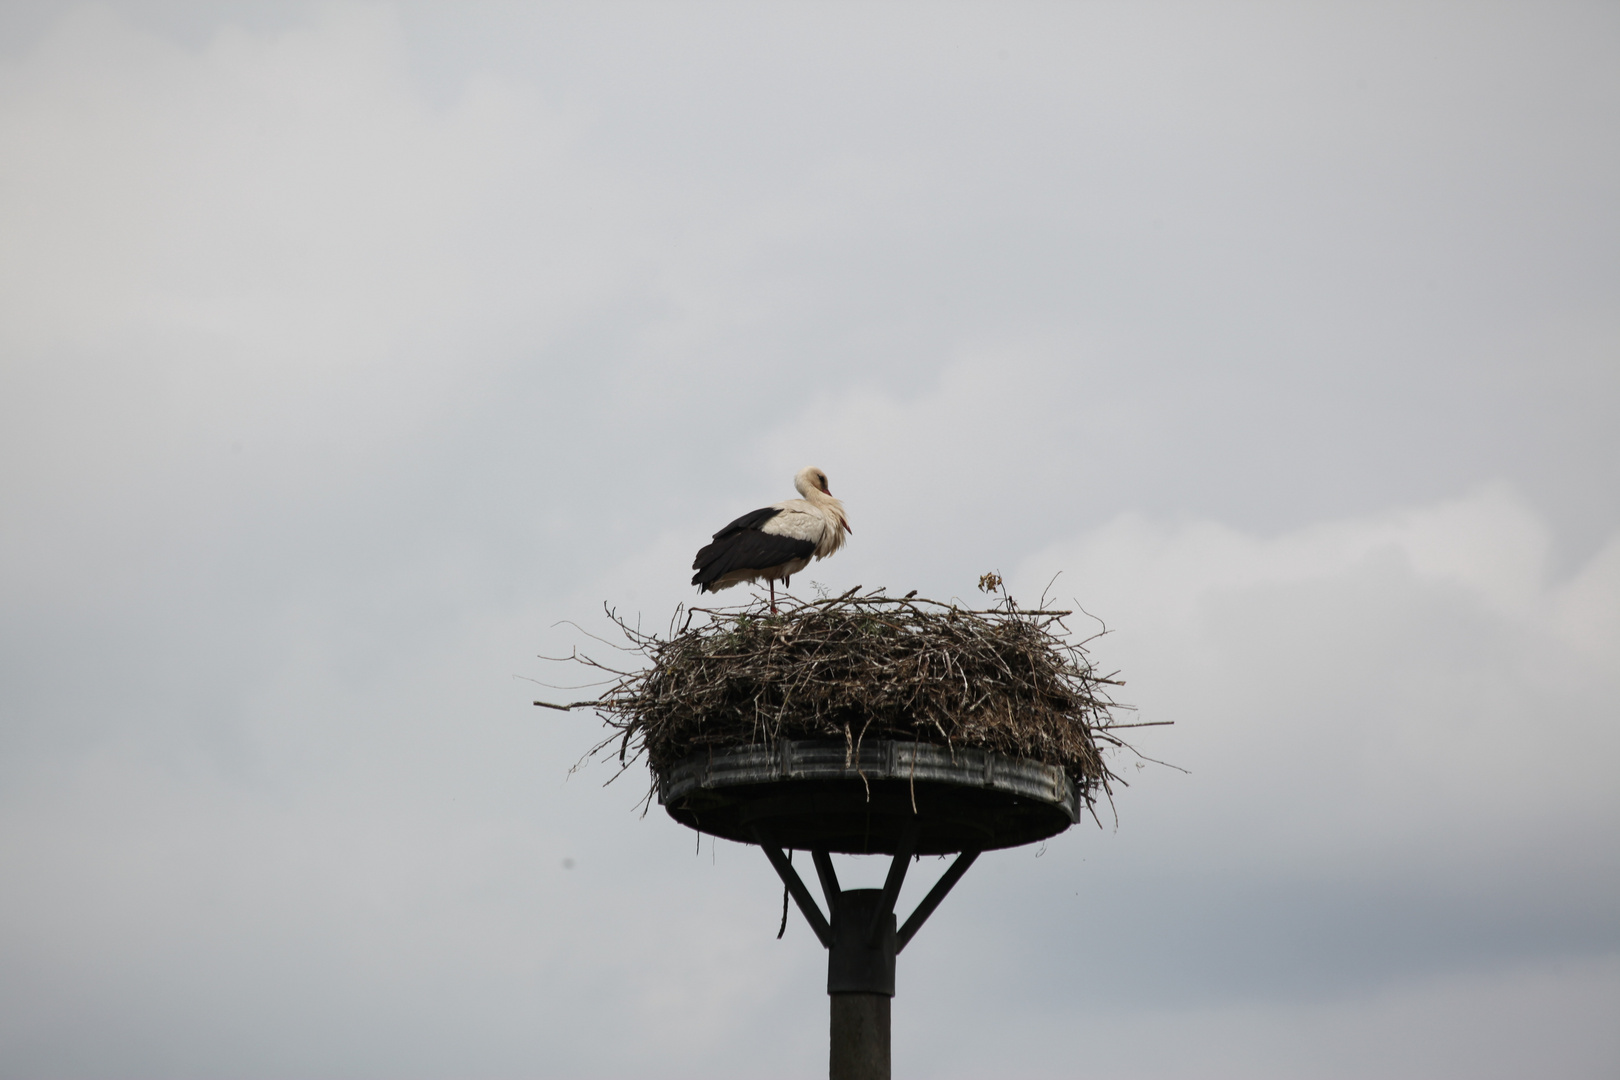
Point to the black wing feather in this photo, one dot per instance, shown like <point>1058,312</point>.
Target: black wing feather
<point>754,519</point>
<point>741,546</point>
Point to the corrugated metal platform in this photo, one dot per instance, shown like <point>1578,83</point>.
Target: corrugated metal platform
<point>815,794</point>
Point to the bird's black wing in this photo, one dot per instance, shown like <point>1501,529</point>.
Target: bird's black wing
<point>751,520</point>
<point>742,546</point>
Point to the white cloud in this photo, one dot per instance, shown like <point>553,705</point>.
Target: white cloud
<point>266,260</point>
<point>1489,545</point>
<point>1409,682</point>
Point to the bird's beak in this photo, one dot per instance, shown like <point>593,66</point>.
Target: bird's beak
<point>845,524</point>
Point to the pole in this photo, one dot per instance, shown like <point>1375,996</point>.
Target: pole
<point>860,982</point>
<point>860,1037</point>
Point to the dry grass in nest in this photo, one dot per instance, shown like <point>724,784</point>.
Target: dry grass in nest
<point>857,667</point>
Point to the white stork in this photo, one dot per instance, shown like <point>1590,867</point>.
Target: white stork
<point>776,542</point>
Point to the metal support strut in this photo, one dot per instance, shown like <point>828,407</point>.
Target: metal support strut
<point>861,942</point>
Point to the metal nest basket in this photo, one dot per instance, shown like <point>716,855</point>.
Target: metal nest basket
<point>819,794</point>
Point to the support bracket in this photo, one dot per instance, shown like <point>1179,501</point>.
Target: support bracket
<point>795,887</point>
<point>859,930</point>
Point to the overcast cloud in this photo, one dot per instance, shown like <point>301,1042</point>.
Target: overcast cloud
<point>345,350</point>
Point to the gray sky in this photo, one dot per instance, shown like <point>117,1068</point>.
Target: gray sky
<point>346,349</point>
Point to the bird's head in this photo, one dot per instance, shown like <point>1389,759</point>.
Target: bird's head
<point>810,479</point>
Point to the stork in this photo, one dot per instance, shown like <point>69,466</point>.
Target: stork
<point>776,542</point>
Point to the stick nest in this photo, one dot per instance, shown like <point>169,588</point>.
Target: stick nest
<point>857,667</point>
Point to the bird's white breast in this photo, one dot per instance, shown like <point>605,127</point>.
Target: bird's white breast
<point>804,520</point>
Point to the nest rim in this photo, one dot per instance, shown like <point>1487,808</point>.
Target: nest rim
<point>819,794</point>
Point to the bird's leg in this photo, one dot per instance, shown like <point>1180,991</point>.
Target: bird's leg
<point>773,596</point>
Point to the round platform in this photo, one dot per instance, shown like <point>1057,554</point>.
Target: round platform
<point>806,796</point>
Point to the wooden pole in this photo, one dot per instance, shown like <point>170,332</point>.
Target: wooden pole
<point>860,1037</point>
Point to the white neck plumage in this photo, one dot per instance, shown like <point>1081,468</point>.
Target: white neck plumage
<point>809,484</point>
<point>829,506</point>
